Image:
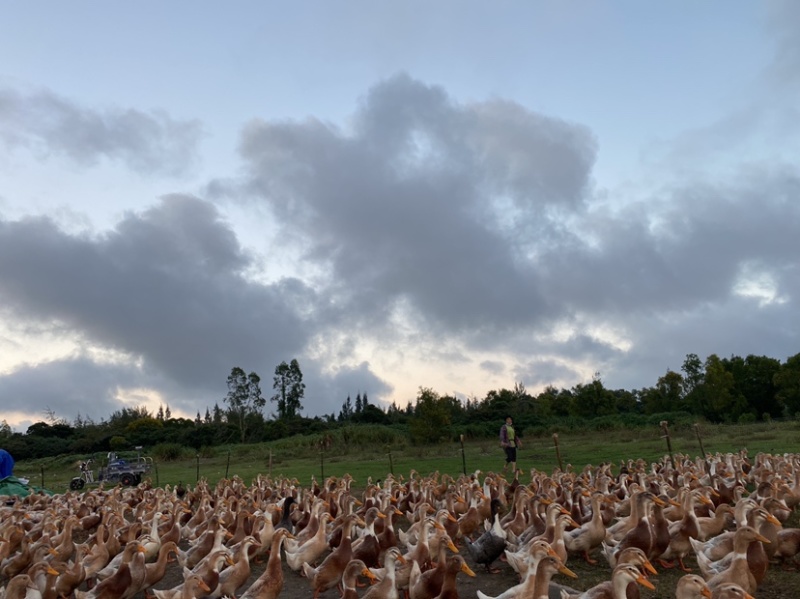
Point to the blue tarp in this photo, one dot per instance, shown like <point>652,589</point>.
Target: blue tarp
<point>6,464</point>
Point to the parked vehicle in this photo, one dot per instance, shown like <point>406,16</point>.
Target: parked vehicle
<point>126,471</point>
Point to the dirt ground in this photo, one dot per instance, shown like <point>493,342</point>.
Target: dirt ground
<point>779,584</point>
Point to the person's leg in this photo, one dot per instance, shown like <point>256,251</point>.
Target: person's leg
<point>513,458</point>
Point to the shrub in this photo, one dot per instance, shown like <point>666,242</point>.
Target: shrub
<point>206,451</point>
<point>167,452</point>
<point>118,443</point>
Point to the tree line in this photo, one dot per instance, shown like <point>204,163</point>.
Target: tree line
<point>735,389</point>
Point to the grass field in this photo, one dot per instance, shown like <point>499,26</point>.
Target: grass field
<point>299,457</point>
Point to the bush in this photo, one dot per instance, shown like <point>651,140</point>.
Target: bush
<point>167,452</point>
<point>206,451</point>
<point>118,443</point>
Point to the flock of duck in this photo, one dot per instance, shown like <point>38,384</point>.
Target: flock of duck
<point>401,537</point>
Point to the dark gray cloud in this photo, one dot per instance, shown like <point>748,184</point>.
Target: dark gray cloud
<point>48,124</point>
<point>166,287</point>
<point>543,372</point>
<point>334,387</point>
<point>479,220</point>
<point>69,387</point>
<point>493,366</point>
<point>425,201</point>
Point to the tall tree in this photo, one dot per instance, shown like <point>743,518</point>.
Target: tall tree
<point>289,389</point>
<point>593,399</point>
<point>787,382</point>
<point>692,373</point>
<point>694,396</point>
<point>431,420</point>
<point>244,399</point>
<point>666,396</point>
<point>723,402</point>
<point>754,379</point>
<point>346,412</point>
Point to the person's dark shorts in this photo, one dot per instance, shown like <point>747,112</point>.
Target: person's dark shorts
<point>511,454</point>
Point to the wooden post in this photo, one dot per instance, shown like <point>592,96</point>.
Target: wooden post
<point>228,465</point>
<point>699,439</point>
<point>702,449</point>
<point>463,458</point>
<point>665,429</point>
<point>558,452</point>
<point>197,456</point>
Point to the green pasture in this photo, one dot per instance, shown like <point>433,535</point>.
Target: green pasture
<point>371,452</point>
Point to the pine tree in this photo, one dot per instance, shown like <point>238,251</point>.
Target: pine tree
<point>347,410</point>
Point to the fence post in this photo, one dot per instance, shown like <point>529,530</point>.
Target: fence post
<point>197,456</point>
<point>699,439</point>
<point>665,428</point>
<point>463,458</point>
<point>558,452</point>
<point>702,450</point>
<point>228,465</point>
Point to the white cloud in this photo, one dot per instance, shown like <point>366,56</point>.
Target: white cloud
<point>426,240</point>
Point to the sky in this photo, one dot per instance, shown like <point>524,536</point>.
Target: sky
<point>458,196</point>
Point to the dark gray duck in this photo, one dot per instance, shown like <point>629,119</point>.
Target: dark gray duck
<point>491,544</point>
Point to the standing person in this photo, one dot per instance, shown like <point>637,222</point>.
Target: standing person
<point>510,441</point>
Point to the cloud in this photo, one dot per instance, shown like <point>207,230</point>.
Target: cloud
<point>48,124</point>
<point>783,23</point>
<point>465,239</point>
<point>76,384</point>
<point>165,291</point>
<point>479,222</point>
<point>343,381</point>
<point>425,203</point>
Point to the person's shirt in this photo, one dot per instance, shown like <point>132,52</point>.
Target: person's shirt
<point>507,435</point>
<point>511,435</point>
